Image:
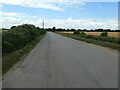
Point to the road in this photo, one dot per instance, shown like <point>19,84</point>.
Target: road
<point>61,62</point>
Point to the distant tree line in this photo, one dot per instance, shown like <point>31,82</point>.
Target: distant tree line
<point>18,36</point>
<point>5,29</point>
<point>92,30</point>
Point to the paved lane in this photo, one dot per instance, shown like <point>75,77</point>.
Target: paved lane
<point>61,62</point>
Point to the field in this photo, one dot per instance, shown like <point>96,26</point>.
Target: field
<point>110,34</point>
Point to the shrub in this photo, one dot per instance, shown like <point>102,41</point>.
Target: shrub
<point>76,32</point>
<point>82,33</point>
<point>104,34</point>
<point>18,36</point>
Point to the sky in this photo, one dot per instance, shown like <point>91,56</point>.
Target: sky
<point>59,13</point>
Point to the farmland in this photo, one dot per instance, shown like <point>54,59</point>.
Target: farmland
<point>110,34</point>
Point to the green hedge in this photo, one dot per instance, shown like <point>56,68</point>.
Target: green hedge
<point>104,34</point>
<point>76,32</point>
<point>102,38</point>
<point>79,33</point>
<point>18,36</point>
<point>82,33</point>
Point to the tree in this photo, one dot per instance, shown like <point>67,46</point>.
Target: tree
<point>53,29</point>
<point>73,30</point>
<point>13,27</point>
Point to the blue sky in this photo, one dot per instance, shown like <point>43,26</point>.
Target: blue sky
<point>61,14</point>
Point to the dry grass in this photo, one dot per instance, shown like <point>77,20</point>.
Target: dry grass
<point>110,34</point>
<point>114,34</point>
<point>67,32</point>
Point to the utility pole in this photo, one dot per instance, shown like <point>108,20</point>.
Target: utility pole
<point>43,23</point>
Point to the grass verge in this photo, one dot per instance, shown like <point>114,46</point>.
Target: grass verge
<point>11,59</point>
<point>97,42</point>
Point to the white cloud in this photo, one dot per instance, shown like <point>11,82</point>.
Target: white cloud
<point>12,14</point>
<point>7,22</point>
<point>9,19</point>
<point>9,14</point>
<point>47,4</point>
<point>83,23</point>
<point>51,4</point>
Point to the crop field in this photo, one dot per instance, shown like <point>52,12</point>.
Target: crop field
<point>110,34</point>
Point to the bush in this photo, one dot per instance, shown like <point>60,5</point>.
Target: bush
<point>104,34</point>
<point>18,36</point>
<point>82,33</point>
<point>76,32</point>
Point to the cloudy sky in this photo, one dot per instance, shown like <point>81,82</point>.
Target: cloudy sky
<point>59,13</point>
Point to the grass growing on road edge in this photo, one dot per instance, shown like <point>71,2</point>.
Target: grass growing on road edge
<point>18,55</point>
<point>97,42</point>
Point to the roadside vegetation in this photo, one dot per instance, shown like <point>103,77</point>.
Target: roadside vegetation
<point>17,42</point>
<point>102,39</point>
<point>95,32</point>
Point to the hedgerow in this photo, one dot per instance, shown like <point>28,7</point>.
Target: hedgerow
<point>101,38</point>
<point>18,36</point>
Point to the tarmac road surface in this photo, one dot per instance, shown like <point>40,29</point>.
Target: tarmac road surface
<point>61,62</point>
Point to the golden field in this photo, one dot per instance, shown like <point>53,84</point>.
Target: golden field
<point>110,34</point>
